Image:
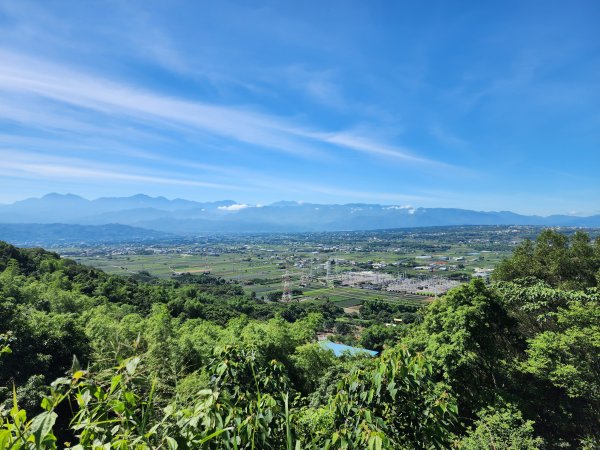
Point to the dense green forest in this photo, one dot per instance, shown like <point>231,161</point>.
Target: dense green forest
<point>92,361</point>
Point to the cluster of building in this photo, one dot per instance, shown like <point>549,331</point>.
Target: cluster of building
<point>411,285</point>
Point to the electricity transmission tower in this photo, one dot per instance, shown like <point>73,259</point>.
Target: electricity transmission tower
<point>286,295</point>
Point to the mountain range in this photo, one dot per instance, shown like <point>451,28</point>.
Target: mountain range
<point>186,217</point>
<point>60,234</point>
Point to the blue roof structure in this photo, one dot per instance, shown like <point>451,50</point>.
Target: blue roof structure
<point>341,349</point>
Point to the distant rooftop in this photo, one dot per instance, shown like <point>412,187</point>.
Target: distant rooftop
<point>341,349</point>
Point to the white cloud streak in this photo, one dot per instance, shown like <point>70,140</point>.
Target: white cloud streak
<point>30,164</point>
<point>236,207</point>
<point>19,164</point>
<point>37,78</point>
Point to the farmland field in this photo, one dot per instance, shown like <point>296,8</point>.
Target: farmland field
<point>315,265</point>
<point>347,296</point>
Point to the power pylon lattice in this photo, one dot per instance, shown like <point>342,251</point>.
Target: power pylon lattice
<point>286,295</point>
<point>328,276</point>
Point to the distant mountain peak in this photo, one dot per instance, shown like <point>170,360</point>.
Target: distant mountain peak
<point>190,217</point>
<point>286,203</point>
<point>56,196</point>
<point>145,197</point>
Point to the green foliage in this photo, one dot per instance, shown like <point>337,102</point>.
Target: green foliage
<point>311,362</point>
<point>386,312</point>
<point>377,337</point>
<point>555,259</point>
<point>558,359</point>
<point>392,404</point>
<point>192,362</point>
<point>501,428</point>
<point>16,432</point>
<point>395,404</point>
<point>569,354</point>
<point>466,334</point>
<point>525,342</point>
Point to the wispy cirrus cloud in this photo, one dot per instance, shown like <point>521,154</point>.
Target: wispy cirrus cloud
<point>365,145</point>
<point>27,164</point>
<point>21,164</point>
<point>26,76</point>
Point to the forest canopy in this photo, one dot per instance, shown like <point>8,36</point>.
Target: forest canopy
<point>90,360</point>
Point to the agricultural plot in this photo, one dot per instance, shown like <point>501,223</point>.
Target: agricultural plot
<point>166,265</point>
<point>347,296</point>
<point>314,263</point>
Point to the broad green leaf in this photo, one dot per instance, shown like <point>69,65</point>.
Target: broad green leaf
<point>172,443</point>
<point>132,365</point>
<point>114,383</point>
<point>4,438</point>
<point>41,425</point>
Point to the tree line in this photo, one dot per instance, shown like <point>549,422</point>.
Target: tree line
<point>91,361</point>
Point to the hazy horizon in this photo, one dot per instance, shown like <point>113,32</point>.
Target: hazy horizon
<point>244,205</point>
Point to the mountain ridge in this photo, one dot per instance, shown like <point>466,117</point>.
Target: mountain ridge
<point>35,234</point>
<point>189,217</point>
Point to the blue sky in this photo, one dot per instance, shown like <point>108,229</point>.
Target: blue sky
<point>480,105</point>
